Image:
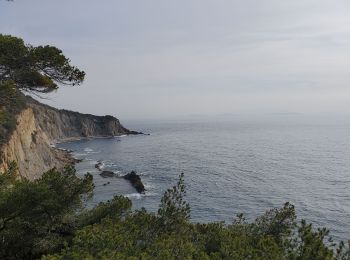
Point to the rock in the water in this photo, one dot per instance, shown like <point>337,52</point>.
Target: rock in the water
<point>135,133</point>
<point>99,165</point>
<point>135,181</point>
<point>106,174</point>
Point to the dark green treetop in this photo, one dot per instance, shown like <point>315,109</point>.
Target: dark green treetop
<point>35,69</point>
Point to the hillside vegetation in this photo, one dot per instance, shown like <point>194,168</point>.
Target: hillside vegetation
<point>11,103</point>
<point>45,219</point>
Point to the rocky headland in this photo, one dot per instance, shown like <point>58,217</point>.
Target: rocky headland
<point>39,127</point>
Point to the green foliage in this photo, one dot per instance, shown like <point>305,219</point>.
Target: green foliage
<point>173,209</point>
<point>8,93</point>
<point>11,103</point>
<point>116,208</point>
<point>8,178</point>
<point>276,223</point>
<point>7,125</point>
<point>170,235</point>
<point>310,243</point>
<point>41,219</point>
<point>35,69</point>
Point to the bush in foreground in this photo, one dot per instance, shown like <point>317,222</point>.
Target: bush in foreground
<point>45,219</point>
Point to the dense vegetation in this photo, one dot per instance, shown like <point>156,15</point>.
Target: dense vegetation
<point>39,217</point>
<point>35,69</point>
<point>44,219</point>
<point>11,103</point>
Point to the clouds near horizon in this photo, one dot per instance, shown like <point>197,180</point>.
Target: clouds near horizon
<point>170,58</point>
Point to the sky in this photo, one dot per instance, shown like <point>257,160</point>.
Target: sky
<point>163,59</point>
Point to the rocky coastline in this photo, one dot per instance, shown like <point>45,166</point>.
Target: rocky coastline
<point>40,127</point>
<point>132,177</point>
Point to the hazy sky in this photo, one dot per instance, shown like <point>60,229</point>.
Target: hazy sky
<point>159,58</point>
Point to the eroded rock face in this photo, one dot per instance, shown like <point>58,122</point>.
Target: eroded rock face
<point>40,126</point>
<point>135,181</point>
<point>63,124</point>
<point>30,148</point>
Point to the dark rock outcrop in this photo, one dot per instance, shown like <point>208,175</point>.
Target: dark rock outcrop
<point>99,165</point>
<point>135,181</point>
<point>63,124</point>
<point>106,174</point>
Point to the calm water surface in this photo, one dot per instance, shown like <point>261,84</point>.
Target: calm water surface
<point>231,166</point>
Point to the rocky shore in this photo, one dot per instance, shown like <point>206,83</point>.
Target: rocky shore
<point>132,177</point>
<point>40,126</point>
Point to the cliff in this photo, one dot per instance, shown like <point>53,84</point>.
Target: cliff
<point>39,126</point>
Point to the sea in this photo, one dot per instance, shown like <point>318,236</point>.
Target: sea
<point>231,165</point>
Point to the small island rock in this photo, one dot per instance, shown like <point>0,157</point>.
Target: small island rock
<point>106,174</point>
<point>99,165</point>
<point>135,181</point>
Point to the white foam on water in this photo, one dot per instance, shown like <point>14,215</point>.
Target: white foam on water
<point>109,164</point>
<point>140,195</point>
<point>118,173</point>
<point>90,151</point>
<point>80,154</point>
<point>96,152</point>
<point>148,186</point>
<point>116,136</point>
<point>134,196</point>
<point>150,194</point>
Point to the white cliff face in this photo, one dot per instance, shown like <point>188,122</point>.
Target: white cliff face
<point>39,126</point>
<point>62,124</point>
<point>30,148</point>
